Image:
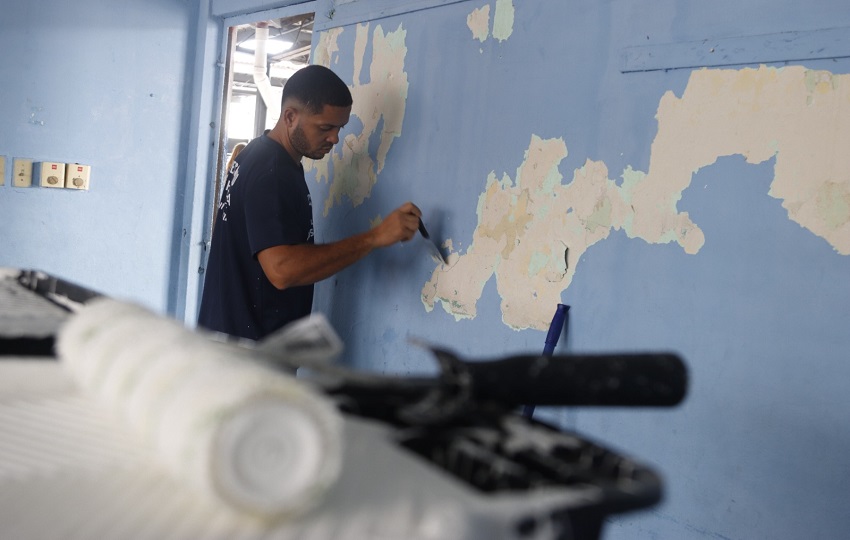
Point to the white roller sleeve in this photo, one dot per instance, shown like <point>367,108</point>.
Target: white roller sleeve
<point>218,419</point>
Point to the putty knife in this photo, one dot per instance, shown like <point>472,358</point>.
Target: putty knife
<point>432,246</point>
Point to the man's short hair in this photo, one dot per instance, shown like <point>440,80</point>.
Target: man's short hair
<point>316,86</point>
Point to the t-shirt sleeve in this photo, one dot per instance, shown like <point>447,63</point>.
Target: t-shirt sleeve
<point>271,214</point>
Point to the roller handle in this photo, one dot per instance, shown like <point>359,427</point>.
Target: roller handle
<point>555,327</point>
<point>624,380</point>
<point>552,337</point>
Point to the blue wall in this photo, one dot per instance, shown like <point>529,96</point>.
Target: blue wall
<point>760,313</point>
<point>102,83</point>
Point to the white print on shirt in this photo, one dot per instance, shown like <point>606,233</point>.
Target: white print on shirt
<point>310,204</point>
<point>232,175</point>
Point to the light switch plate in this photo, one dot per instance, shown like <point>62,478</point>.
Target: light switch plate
<point>77,176</point>
<point>2,170</point>
<point>51,174</point>
<point>22,172</point>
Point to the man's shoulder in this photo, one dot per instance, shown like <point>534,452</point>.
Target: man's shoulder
<point>257,149</point>
<point>264,156</point>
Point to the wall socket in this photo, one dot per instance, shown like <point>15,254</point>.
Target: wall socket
<point>22,172</point>
<point>77,176</point>
<point>50,174</point>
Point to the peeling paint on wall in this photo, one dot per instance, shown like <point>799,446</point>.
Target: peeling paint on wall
<point>528,228</point>
<point>796,115</point>
<point>503,20</point>
<point>523,229</point>
<point>479,23</point>
<point>379,102</point>
<point>327,49</point>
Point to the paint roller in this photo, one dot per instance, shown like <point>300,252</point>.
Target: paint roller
<point>211,413</point>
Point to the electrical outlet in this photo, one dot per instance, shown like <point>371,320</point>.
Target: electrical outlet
<point>51,174</point>
<point>22,172</point>
<point>2,170</point>
<point>77,176</point>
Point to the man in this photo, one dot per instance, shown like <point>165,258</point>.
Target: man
<point>263,260</point>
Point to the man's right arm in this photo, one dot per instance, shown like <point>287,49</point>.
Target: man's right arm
<point>304,264</point>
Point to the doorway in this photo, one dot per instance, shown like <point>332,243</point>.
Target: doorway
<point>260,57</point>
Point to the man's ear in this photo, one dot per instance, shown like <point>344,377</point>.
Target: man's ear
<point>290,116</point>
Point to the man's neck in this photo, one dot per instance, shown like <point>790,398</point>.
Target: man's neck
<point>279,136</point>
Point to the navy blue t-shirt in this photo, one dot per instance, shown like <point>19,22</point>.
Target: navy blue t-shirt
<point>265,202</point>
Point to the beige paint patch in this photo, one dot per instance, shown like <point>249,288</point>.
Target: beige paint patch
<point>327,48</point>
<point>800,116</point>
<point>527,252</point>
<point>479,23</point>
<point>384,97</point>
<point>326,53</point>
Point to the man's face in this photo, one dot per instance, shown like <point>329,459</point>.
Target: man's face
<point>313,135</point>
